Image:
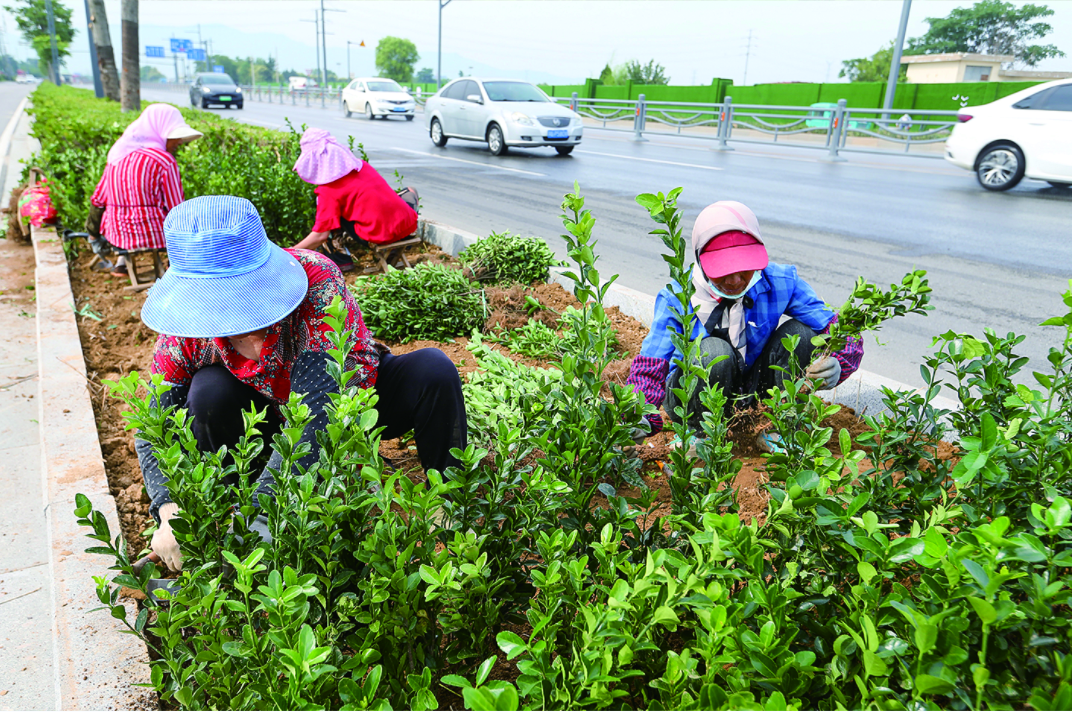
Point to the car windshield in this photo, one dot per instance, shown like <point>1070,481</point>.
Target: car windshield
<point>383,85</point>
<point>216,79</point>
<point>514,91</point>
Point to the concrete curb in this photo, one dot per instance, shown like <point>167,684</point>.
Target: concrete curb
<point>862,391</point>
<point>95,662</point>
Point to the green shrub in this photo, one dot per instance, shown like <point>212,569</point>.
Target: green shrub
<point>504,258</point>
<point>429,301</point>
<point>76,130</point>
<point>902,580</point>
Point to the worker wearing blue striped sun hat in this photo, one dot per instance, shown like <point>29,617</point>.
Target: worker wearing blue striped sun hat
<point>241,324</point>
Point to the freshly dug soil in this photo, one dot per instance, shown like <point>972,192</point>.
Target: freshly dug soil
<point>118,343</point>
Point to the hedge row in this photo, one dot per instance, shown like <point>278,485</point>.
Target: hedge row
<point>76,130</point>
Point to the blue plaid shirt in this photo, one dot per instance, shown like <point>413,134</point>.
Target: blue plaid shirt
<point>780,291</point>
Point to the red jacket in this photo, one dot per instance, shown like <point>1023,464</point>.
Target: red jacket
<point>364,197</point>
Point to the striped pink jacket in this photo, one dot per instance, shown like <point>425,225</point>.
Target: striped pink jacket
<point>138,192</point>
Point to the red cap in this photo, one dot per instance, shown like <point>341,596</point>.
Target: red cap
<point>731,252</point>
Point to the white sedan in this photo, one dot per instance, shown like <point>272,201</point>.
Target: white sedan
<point>503,112</point>
<point>1026,134</point>
<point>377,97</point>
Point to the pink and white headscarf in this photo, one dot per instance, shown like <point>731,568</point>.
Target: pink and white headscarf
<point>151,130</point>
<point>323,159</point>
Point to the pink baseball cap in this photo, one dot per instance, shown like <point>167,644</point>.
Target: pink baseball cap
<point>732,251</point>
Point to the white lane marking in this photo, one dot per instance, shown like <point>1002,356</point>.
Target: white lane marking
<point>652,160</point>
<point>462,160</point>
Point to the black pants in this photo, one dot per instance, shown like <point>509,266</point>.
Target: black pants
<point>736,382</point>
<point>419,391</point>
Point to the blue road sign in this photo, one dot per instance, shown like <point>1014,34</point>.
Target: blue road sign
<point>151,51</point>
<point>196,53</point>
<point>217,68</point>
<point>178,45</point>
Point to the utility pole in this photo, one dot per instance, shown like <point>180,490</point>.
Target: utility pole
<point>439,52</point>
<point>747,56</point>
<point>324,37</point>
<point>98,88</point>
<point>130,85</point>
<point>895,65</point>
<point>316,21</point>
<point>54,69</point>
<point>175,56</point>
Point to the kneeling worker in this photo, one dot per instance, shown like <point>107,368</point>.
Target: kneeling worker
<point>241,323</point>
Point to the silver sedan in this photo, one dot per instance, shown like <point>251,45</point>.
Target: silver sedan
<point>504,112</point>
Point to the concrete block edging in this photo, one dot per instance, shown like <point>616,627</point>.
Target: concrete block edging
<point>862,391</point>
<point>95,662</point>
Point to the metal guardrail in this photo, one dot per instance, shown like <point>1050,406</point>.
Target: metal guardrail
<point>833,128</point>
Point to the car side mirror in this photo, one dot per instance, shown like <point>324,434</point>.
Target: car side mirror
<point>475,98</point>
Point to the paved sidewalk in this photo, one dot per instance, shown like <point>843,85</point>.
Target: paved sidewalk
<point>26,650</point>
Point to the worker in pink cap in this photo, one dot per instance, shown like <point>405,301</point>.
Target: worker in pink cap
<point>351,195</point>
<point>741,296</point>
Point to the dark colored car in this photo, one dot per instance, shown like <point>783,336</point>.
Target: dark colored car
<point>209,89</point>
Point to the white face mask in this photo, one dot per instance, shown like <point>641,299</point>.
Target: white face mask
<point>756,276</point>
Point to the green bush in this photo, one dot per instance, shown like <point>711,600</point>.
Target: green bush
<point>905,579</point>
<point>429,301</point>
<point>502,258</point>
<point>76,130</point>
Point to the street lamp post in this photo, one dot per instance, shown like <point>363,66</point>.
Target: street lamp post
<point>895,65</point>
<point>439,53</point>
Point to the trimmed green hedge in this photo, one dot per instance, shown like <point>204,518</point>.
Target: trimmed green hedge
<point>76,130</point>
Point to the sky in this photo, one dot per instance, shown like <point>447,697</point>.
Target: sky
<point>554,41</point>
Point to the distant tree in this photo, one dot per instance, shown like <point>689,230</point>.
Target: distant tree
<point>285,76</point>
<point>395,58</point>
<point>151,74</point>
<point>990,27</point>
<point>269,69</point>
<point>425,76</point>
<point>650,73</point>
<point>875,68</point>
<point>607,75</point>
<point>32,19</point>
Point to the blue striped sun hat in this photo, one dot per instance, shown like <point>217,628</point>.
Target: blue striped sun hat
<point>226,277</point>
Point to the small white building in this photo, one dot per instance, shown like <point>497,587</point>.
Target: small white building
<point>966,67</point>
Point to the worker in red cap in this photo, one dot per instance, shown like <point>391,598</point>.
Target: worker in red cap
<point>740,299</point>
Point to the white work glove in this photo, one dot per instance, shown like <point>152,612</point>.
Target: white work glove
<point>163,543</point>
<point>827,371</point>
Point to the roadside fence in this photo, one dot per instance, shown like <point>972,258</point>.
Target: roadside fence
<point>834,128</point>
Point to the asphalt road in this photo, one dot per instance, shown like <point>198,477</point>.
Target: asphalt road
<point>998,260</point>
<point>10,96</point>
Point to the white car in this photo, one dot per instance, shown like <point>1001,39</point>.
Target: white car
<point>504,112</point>
<point>1028,133</point>
<point>377,97</point>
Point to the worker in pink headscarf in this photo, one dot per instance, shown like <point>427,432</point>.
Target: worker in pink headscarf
<point>351,195</point>
<point>141,181</point>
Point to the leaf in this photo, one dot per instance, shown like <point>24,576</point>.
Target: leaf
<point>983,609</point>
<point>666,616</point>
<point>485,669</point>
<point>926,637</point>
<point>511,644</point>
<point>931,685</point>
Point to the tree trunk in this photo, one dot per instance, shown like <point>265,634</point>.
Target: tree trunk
<point>102,38</point>
<point>131,81</point>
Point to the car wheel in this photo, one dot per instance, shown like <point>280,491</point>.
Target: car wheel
<point>496,142</point>
<point>204,104</point>
<point>436,133</point>
<point>193,101</point>
<point>409,118</point>
<point>368,112</point>
<point>564,150</point>
<point>240,106</point>
<point>346,109</point>
<point>1059,184</point>
<point>1000,167</point>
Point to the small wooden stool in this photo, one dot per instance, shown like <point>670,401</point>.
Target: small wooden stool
<point>388,254</point>
<point>132,268</point>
